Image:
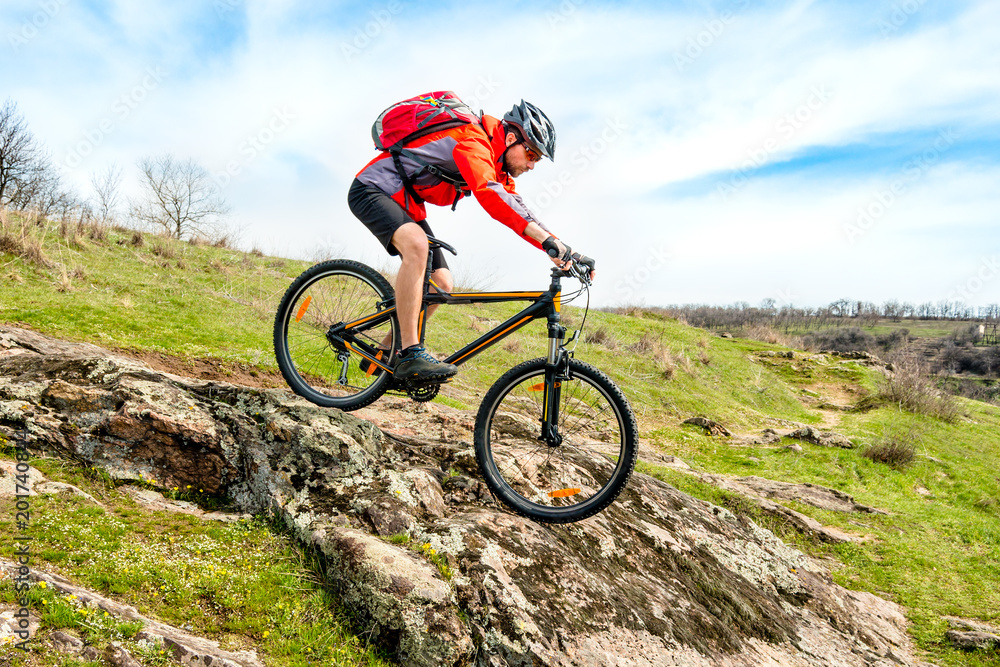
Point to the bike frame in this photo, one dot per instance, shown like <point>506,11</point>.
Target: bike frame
<point>546,305</point>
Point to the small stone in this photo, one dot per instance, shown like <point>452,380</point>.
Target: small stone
<point>91,653</point>
<point>66,643</point>
<point>116,655</point>
<point>973,640</point>
<point>794,448</point>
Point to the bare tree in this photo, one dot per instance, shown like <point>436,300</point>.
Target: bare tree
<point>20,156</point>
<point>180,197</point>
<point>107,189</point>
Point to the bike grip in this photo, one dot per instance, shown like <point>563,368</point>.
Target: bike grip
<point>550,246</point>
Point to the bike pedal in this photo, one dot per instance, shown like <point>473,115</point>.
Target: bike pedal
<point>422,384</point>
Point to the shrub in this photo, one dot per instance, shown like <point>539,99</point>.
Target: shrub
<point>645,345</point>
<point>893,340</point>
<point>841,339</point>
<point>765,334</point>
<point>97,232</point>
<point>894,451</point>
<point>652,346</point>
<point>957,357</point>
<point>601,336</point>
<point>164,249</point>
<point>10,245</point>
<point>64,283</point>
<point>512,345</point>
<point>910,388</point>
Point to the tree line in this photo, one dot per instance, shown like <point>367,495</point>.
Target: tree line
<point>843,312</point>
<point>176,197</point>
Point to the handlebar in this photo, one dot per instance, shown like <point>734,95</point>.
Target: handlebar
<point>580,267</point>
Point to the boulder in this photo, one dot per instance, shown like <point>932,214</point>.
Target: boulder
<point>821,438</point>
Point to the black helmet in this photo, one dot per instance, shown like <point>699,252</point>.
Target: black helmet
<point>535,126</point>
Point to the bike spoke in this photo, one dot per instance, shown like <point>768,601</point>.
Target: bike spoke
<point>555,476</point>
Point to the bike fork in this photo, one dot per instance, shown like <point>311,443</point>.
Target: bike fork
<point>555,373</point>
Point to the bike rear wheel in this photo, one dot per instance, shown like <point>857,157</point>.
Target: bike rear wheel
<point>570,481</point>
<point>330,293</point>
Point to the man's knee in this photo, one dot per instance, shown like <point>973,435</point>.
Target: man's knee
<point>411,242</point>
<point>443,279</point>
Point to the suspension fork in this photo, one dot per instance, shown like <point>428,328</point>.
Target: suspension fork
<point>556,372</point>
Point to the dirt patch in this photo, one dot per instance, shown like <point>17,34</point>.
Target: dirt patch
<point>207,368</point>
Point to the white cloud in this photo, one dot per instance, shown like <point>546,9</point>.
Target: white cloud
<point>588,68</point>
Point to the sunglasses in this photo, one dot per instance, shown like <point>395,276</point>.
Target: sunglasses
<point>532,154</point>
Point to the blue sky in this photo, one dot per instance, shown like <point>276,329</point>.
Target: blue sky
<point>708,151</point>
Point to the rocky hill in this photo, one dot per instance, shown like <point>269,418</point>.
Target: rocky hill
<point>658,579</point>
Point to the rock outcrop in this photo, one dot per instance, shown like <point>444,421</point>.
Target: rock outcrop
<point>660,578</point>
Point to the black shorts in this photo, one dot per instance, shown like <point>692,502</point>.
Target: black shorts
<point>383,216</point>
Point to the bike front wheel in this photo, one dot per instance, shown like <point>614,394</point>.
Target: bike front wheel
<point>316,365</point>
<point>561,483</point>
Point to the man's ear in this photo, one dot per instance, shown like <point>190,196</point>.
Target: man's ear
<point>511,138</point>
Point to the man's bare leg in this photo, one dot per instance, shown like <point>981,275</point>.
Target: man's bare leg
<point>411,242</point>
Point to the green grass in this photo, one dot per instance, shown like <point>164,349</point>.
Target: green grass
<point>201,301</point>
<point>936,555</point>
<point>246,584</point>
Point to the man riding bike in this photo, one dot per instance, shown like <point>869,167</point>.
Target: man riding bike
<point>388,196</point>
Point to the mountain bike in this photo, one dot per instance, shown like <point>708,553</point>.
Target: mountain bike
<point>555,438</point>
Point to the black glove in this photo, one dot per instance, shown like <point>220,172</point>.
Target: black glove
<point>551,246</point>
<point>583,260</point>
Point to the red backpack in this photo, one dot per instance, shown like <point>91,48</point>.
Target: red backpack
<point>417,117</point>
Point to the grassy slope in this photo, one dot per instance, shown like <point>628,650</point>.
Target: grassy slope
<point>245,585</point>
<point>936,554</point>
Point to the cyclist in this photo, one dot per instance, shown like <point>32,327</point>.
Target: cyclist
<point>391,205</point>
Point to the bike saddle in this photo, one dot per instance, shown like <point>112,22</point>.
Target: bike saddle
<point>438,243</point>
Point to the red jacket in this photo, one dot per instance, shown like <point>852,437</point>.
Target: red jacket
<point>472,150</point>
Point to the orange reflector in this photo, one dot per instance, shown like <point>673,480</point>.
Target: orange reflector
<point>303,308</point>
<point>537,387</point>
<point>371,366</point>
<point>563,493</point>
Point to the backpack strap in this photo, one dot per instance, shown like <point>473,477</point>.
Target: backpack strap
<point>453,178</point>
<point>407,181</point>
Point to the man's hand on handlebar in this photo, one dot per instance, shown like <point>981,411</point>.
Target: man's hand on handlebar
<point>564,257</point>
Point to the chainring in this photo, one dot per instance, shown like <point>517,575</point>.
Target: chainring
<point>423,393</point>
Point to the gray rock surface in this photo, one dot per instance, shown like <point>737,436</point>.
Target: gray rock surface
<point>821,438</point>
<point>66,643</point>
<point>971,635</point>
<point>659,578</point>
<point>818,496</point>
<point>973,640</point>
<point>117,656</point>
